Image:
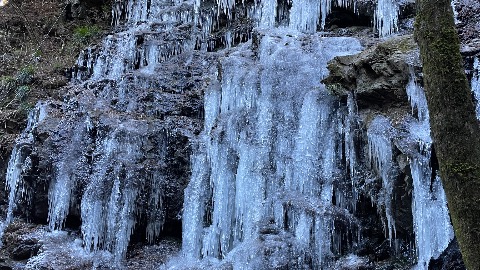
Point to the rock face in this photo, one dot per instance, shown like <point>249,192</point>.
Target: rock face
<point>377,76</point>
<point>451,258</point>
<point>103,161</point>
<point>38,42</point>
<point>185,122</point>
<point>468,20</point>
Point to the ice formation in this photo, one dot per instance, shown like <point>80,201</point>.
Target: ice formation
<point>268,162</point>
<point>380,134</point>
<point>259,161</point>
<point>386,17</point>
<point>149,40</point>
<point>307,15</point>
<point>20,161</point>
<point>475,84</point>
<point>432,227</point>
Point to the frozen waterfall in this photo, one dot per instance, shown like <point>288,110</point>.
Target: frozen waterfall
<point>275,169</point>
<point>269,153</point>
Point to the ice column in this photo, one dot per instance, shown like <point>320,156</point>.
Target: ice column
<point>475,83</point>
<point>386,17</point>
<point>305,14</point>
<point>432,227</point>
<point>67,170</point>
<point>379,136</point>
<point>269,13</point>
<point>268,153</point>
<point>19,160</point>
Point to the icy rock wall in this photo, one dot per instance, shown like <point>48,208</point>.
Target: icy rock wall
<point>266,120</point>
<point>155,32</point>
<point>106,152</point>
<point>20,161</point>
<point>158,30</point>
<point>100,170</point>
<point>120,183</point>
<point>269,152</point>
<point>432,228</point>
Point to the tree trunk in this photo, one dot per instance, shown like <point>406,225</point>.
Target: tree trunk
<point>455,130</point>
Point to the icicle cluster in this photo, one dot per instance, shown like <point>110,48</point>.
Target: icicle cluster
<point>20,162</point>
<point>157,30</point>
<point>380,133</point>
<point>386,17</point>
<point>269,153</point>
<point>348,129</point>
<point>432,227</point>
<point>119,189</point>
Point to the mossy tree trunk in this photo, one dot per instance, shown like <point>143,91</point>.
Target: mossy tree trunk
<point>455,130</point>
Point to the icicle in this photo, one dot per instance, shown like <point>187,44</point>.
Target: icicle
<point>269,13</point>
<point>156,215</point>
<point>380,153</point>
<point>305,14</point>
<point>110,204</point>
<point>196,196</point>
<point>432,227</point>
<point>66,172</point>
<point>475,83</point>
<point>348,129</point>
<point>417,99</point>
<point>349,136</point>
<point>419,130</point>
<point>254,117</point>
<point>386,17</point>
<point>19,160</point>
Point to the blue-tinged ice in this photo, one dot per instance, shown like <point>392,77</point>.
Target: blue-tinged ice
<point>268,150</point>
<point>268,13</point>
<point>432,227</point>
<point>475,84</point>
<point>21,163</point>
<point>379,134</point>
<point>386,17</point>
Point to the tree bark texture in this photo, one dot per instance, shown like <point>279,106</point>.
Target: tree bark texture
<point>455,130</point>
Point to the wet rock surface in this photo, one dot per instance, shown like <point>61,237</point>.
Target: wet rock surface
<point>468,22</point>
<point>38,42</point>
<point>163,118</point>
<point>451,258</point>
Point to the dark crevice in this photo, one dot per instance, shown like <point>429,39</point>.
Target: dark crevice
<point>342,18</point>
